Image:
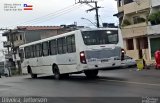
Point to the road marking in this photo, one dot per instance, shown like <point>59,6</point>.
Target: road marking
<point>138,83</point>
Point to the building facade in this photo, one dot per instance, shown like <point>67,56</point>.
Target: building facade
<point>137,29</point>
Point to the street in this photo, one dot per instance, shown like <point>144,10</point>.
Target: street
<point>110,83</point>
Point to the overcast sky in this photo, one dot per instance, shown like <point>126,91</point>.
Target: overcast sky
<point>69,15</point>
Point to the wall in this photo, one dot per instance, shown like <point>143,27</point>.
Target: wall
<point>155,3</point>
<point>134,7</point>
<point>134,30</point>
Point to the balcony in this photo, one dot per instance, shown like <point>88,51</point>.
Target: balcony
<point>155,3</point>
<point>18,43</point>
<point>153,30</point>
<point>140,5</point>
<point>134,30</point>
<point>136,25</point>
<point>7,44</point>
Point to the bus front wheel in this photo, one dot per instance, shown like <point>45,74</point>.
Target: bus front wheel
<point>91,73</point>
<point>57,75</point>
<point>31,73</point>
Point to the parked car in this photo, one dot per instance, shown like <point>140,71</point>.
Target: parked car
<point>128,62</point>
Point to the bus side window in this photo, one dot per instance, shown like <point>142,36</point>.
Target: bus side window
<point>32,49</point>
<point>38,50</point>
<point>71,44</point>
<point>60,46</point>
<point>64,45</point>
<point>45,47</point>
<point>27,52</point>
<point>53,47</point>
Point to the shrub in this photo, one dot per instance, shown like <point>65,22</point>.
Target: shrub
<point>154,18</point>
<point>126,23</point>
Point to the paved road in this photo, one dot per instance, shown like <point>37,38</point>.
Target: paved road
<point>111,83</point>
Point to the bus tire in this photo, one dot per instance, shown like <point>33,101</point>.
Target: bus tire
<point>56,72</point>
<point>91,73</point>
<point>30,71</point>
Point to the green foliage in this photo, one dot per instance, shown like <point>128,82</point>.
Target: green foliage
<point>154,18</point>
<point>126,23</point>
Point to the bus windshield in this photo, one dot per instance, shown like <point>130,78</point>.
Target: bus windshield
<point>99,37</point>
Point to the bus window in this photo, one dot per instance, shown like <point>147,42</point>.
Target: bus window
<point>71,44</point>
<point>60,45</point>
<point>27,52</point>
<point>32,49</point>
<point>53,47</point>
<point>64,45</point>
<point>99,37</point>
<point>45,47</point>
<point>38,50</point>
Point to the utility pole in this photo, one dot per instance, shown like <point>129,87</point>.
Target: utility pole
<point>94,8</point>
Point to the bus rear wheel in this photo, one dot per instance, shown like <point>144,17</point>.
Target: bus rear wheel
<point>91,73</point>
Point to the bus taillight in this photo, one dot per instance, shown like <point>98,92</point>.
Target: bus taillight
<point>122,54</point>
<point>82,58</point>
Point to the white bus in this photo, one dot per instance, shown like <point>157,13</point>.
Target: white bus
<point>80,51</point>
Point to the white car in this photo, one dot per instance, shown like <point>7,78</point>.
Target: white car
<point>128,62</point>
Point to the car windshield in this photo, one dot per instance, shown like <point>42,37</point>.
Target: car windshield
<point>99,37</point>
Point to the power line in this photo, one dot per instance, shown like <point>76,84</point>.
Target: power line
<point>93,8</point>
<point>53,14</point>
<point>57,15</point>
<point>45,16</point>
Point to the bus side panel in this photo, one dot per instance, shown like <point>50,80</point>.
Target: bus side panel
<point>67,63</point>
<point>24,70</point>
<point>45,64</point>
<point>32,62</point>
<point>80,46</point>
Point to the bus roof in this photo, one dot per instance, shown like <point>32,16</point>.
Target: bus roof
<point>65,34</point>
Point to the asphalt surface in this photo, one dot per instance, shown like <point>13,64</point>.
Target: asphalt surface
<point>110,83</point>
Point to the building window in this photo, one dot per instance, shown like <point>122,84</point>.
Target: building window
<point>45,47</point>
<point>145,43</point>
<point>120,3</point>
<point>16,37</point>
<point>130,44</point>
<point>20,37</point>
<point>128,1</point>
<point>137,19</point>
<point>142,43</point>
